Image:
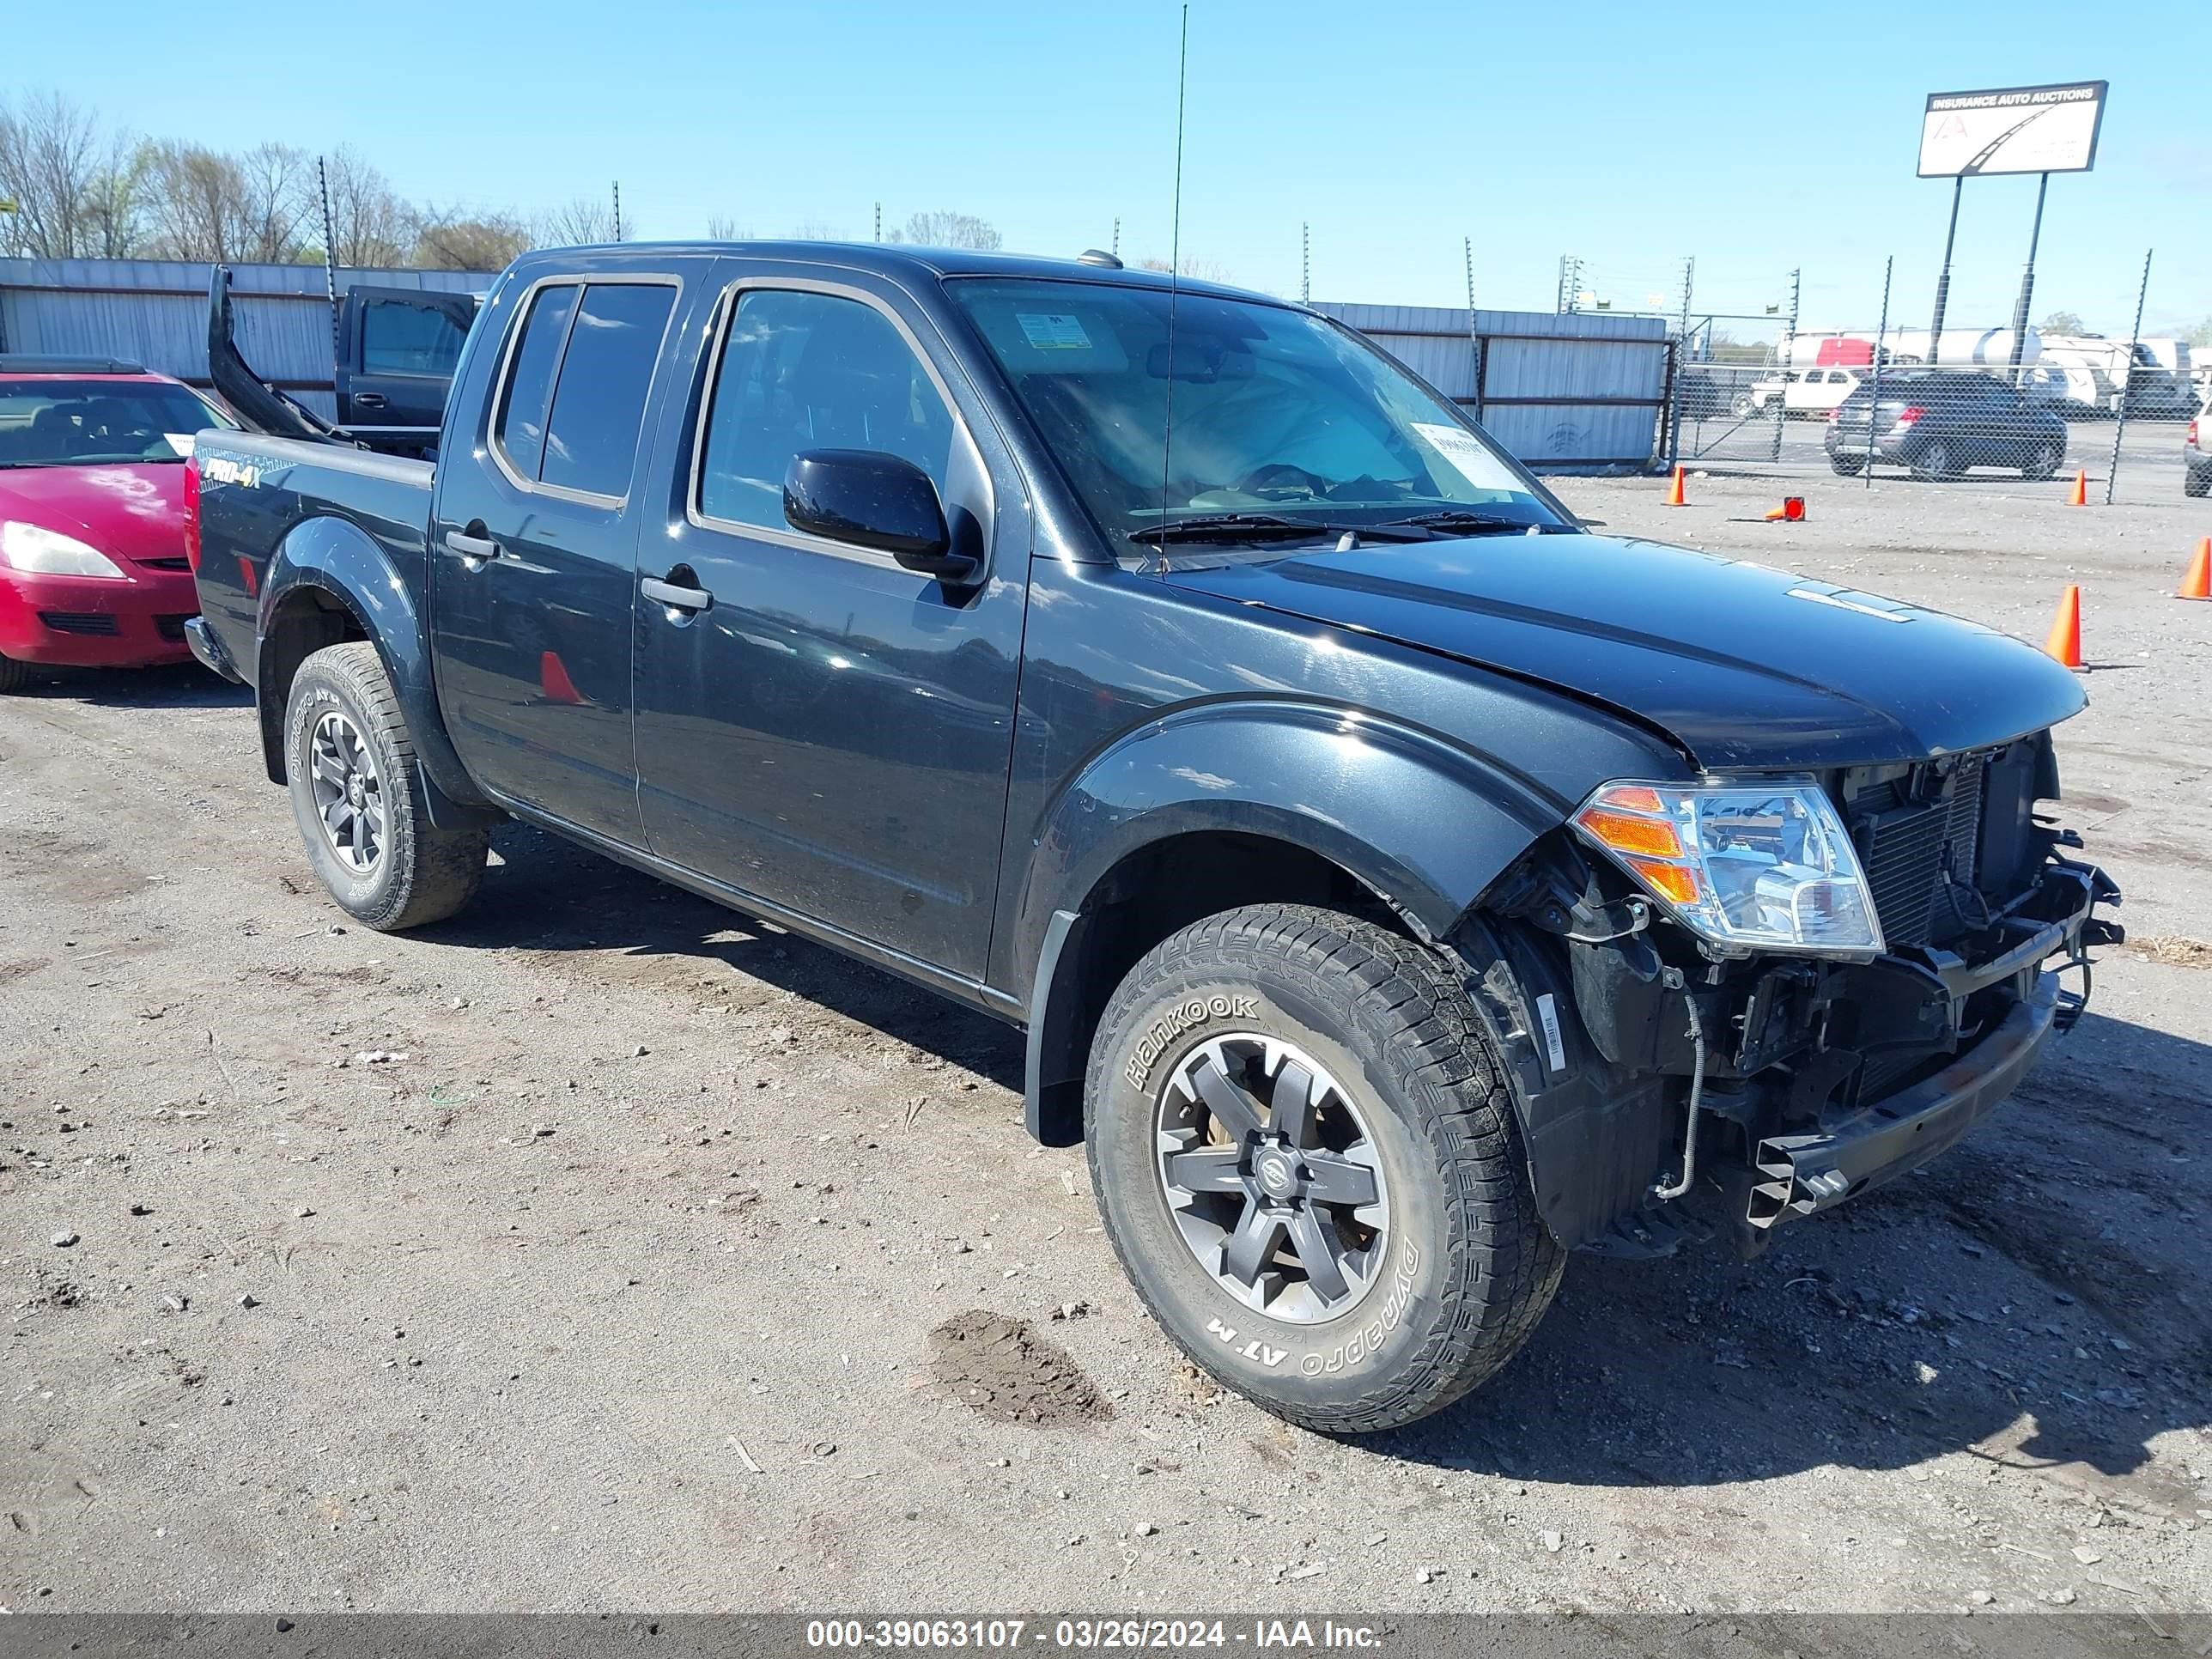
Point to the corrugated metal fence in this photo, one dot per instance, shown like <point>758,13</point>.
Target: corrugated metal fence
<point>1561,392</point>
<point>155,312</point>
<point>1575,389</point>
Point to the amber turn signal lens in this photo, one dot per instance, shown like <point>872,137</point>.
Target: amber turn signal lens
<point>1676,882</point>
<point>1653,837</point>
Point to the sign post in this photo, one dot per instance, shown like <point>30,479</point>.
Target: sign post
<point>2007,129</point>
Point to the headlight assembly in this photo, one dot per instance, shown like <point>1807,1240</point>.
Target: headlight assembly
<point>1746,865</point>
<point>38,551</point>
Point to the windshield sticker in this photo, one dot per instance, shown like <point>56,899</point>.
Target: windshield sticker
<point>1468,457</point>
<point>1053,330</point>
<point>179,442</point>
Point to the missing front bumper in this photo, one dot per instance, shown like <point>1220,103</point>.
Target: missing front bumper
<point>1803,1175</point>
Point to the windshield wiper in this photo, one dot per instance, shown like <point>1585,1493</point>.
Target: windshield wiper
<point>1273,527</point>
<point>1453,518</point>
<point>1233,527</point>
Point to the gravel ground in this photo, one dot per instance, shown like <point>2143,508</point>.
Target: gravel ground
<point>600,1249</point>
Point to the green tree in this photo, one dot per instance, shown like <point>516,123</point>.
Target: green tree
<point>2064,322</point>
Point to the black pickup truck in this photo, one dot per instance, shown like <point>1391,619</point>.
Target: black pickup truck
<point>1399,885</point>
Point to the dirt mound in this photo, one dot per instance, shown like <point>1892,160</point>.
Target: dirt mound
<point>1001,1367</point>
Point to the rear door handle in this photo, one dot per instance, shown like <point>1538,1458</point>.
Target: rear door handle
<point>669,593</point>
<point>474,548</point>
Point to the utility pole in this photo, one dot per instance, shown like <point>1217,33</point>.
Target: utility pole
<point>1880,352</point>
<point>879,221</point>
<point>2127,384</point>
<point>1305,265</point>
<point>1689,275</point>
<point>329,258</point>
<point>1116,249</point>
<point>617,210</point>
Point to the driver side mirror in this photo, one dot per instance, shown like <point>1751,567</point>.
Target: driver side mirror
<point>875,499</point>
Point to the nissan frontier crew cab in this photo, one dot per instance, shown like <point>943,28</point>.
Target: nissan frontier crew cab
<point>1399,885</point>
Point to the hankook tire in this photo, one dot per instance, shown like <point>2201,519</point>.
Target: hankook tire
<point>1307,1159</point>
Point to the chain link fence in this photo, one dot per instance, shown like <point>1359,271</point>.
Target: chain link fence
<point>2122,420</point>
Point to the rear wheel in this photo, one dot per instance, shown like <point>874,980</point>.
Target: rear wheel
<point>2043,462</point>
<point>2192,483</point>
<point>1847,467</point>
<point>1307,1159</point>
<point>359,796</point>
<point>1936,462</point>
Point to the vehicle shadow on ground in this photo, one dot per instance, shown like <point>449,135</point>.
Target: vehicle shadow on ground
<point>548,895</point>
<point>1913,1323</point>
<point>172,685</point>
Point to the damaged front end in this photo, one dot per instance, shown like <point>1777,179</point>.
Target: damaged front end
<point>1656,1060</point>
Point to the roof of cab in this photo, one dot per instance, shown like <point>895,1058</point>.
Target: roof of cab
<point>901,260</point>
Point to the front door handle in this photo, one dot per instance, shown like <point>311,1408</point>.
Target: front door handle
<point>674,595</point>
<point>475,549</point>
<point>368,400</point>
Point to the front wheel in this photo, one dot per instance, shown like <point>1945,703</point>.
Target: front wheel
<point>359,796</point>
<point>14,676</point>
<point>1846,466</point>
<point>1307,1159</point>
<point>2044,463</point>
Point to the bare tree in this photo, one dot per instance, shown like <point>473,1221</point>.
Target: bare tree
<point>370,225</point>
<point>815,230</point>
<point>276,185</point>
<point>720,229</point>
<point>115,202</point>
<point>447,241</point>
<point>942,229</point>
<point>50,154</point>
<point>1199,270</point>
<point>195,202</point>
<point>580,221</point>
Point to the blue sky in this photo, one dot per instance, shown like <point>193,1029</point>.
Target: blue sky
<point>1758,138</point>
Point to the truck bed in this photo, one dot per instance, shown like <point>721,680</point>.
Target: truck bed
<point>259,495</point>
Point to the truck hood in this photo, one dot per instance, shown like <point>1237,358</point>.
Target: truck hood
<point>1746,668</point>
<point>132,510</point>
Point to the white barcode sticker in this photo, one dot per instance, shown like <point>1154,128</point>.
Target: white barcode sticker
<point>1548,1014</point>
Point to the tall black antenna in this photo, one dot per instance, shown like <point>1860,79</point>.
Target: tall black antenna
<point>1175,282</point>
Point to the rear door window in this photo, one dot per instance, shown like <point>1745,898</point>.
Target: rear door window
<point>598,404</point>
<point>573,403</point>
<point>519,430</point>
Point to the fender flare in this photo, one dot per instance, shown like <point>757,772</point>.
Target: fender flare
<point>343,565</point>
<point>1425,824</point>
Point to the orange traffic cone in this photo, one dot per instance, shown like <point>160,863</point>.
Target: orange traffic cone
<point>2064,645</point>
<point>2081,495</point>
<point>1792,511</point>
<point>1675,490</point>
<point>2197,584</point>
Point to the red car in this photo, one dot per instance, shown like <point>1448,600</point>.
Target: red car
<point>92,571</point>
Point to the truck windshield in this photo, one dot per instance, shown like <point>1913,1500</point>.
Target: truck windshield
<point>1277,416</point>
<point>48,423</point>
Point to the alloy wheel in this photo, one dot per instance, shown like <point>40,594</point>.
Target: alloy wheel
<point>349,794</point>
<point>1272,1178</point>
